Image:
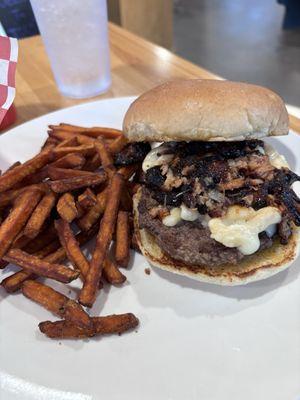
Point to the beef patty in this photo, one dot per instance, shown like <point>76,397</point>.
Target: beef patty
<point>188,242</point>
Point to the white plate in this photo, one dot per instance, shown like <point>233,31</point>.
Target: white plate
<point>195,341</point>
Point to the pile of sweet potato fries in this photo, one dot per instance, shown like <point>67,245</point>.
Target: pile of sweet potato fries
<point>53,204</point>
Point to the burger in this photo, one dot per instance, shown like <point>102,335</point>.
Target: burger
<point>215,202</point>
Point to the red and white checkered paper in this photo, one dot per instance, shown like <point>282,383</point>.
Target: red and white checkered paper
<point>8,64</point>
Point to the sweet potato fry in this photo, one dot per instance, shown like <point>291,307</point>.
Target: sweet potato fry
<point>40,214</point>
<point>9,196</point>
<point>16,220</point>
<point>87,199</point>
<point>81,237</point>
<point>94,213</point>
<point>13,166</point>
<point>32,246</point>
<point>90,286</point>
<point>66,207</point>
<point>94,132</point>
<point>50,248</point>
<point>80,211</point>
<point>126,199</point>
<point>127,171</point>
<point>75,161</point>
<point>70,244</point>
<point>111,272</point>
<point>101,326</point>
<point>78,182</point>
<point>8,180</point>
<point>65,135</point>
<point>122,252</point>
<point>21,241</point>
<point>43,239</point>
<point>14,282</point>
<point>71,160</point>
<point>109,133</point>
<point>57,303</point>
<point>85,150</point>
<point>92,163</point>
<point>70,142</point>
<point>105,156</point>
<point>55,173</point>
<point>118,144</point>
<point>41,267</point>
<point>49,143</point>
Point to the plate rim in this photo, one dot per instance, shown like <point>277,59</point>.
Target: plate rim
<point>75,106</point>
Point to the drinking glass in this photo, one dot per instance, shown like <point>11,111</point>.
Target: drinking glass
<point>76,40</point>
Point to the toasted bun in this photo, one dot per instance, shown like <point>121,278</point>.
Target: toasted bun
<point>252,268</point>
<point>199,109</point>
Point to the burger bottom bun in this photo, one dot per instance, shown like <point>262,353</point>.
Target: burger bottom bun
<point>252,268</point>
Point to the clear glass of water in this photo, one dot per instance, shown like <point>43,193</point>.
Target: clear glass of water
<point>76,40</point>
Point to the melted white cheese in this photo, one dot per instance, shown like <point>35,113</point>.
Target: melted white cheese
<point>276,159</point>
<point>241,225</point>
<point>152,159</point>
<point>271,230</point>
<point>189,214</point>
<point>181,213</point>
<point>173,218</point>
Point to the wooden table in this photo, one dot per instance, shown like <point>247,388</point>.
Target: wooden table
<point>136,66</point>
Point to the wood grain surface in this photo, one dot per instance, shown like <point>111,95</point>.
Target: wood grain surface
<point>136,65</point>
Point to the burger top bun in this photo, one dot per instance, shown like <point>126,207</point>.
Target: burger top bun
<point>210,110</point>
